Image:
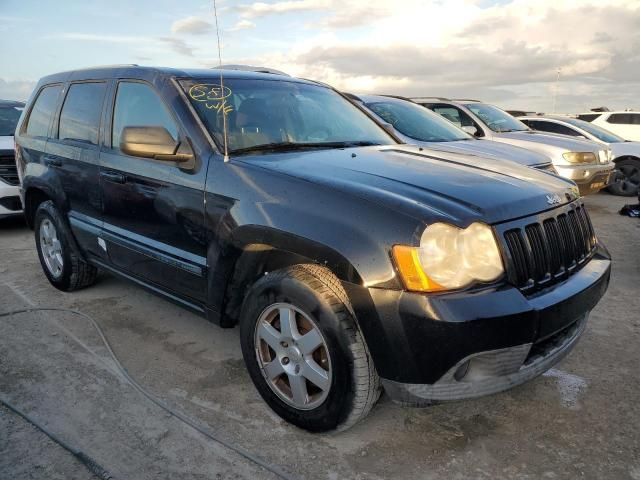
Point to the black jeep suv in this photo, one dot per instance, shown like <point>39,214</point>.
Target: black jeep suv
<point>349,261</point>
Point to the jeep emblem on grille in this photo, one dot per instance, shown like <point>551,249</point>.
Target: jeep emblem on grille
<point>553,199</point>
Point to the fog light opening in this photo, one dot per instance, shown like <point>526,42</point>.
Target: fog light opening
<point>462,371</point>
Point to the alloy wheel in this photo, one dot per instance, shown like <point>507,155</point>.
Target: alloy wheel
<point>51,248</point>
<point>293,356</point>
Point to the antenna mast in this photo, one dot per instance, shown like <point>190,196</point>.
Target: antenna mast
<point>224,115</point>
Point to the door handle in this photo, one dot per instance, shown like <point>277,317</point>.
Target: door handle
<point>52,162</point>
<point>113,177</point>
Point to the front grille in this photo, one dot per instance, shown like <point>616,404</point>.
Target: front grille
<point>549,249</point>
<point>8,170</point>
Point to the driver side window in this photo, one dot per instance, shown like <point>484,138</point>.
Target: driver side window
<point>137,105</point>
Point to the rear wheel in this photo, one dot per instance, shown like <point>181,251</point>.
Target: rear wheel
<point>304,351</point>
<point>626,178</point>
<point>61,262</point>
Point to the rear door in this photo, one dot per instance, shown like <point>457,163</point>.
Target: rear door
<point>33,136</point>
<point>73,152</point>
<point>153,210</point>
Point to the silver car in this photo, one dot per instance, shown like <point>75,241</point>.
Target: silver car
<point>626,154</point>
<point>585,162</point>
<point>415,124</point>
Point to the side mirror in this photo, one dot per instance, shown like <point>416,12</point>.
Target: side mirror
<point>471,130</point>
<point>152,142</point>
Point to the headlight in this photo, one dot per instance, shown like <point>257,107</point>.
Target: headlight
<point>449,258</point>
<point>605,156</point>
<point>580,157</point>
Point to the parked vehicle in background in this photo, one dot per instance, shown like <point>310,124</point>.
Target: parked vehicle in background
<point>347,259</point>
<point>10,205</point>
<point>625,124</point>
<point>418,125</point>
<point>585,162</point>
<point>626,155</point>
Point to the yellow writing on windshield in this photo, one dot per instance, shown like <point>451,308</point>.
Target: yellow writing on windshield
<point>213,96</point>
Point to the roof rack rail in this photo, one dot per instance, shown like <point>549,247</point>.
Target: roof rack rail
<point>466,100</point>
<point>250,68</point>
<point>444,99</point>
<point>399,97</point>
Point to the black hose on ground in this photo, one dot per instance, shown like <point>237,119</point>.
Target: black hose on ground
<point>276,470</point>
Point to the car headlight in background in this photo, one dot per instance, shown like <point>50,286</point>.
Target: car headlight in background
<point>449,258</point>
<point>580,157</point>
<point>605,156</point>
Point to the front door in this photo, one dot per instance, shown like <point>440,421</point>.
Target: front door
<point>153,210</point>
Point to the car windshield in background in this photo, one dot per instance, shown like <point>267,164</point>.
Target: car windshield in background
<point>8,120</point>
<point>280,115</point>
<point>496,119</point>
<point>417,122</point>
<point>598,132</point>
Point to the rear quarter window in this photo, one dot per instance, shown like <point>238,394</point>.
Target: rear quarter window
<point>81,112</point>
<point>624,118</point>
<point>42,111</point>
<point>588,117</point>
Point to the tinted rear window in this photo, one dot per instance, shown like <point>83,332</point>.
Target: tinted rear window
<point>624,118</point>
<point>80,116</point>
<point>43,109</point>
<point>588,117</point>
<point>8,120</point>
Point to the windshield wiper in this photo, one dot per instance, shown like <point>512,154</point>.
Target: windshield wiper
<point>292,146</point>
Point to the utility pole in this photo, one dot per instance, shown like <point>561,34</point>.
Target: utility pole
<point>555,90</point>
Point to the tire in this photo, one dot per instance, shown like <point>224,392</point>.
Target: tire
<point>314,294</point>
<point>626,178</point>
<point>60,260</point>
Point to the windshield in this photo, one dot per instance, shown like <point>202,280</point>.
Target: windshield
<point>417,122</point>
<point>9,117</point>
<point>280,112</point>
<point>496,119</point>
<point>598,132</point>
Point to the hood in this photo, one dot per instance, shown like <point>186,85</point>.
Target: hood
<point>625,148</point>
<point>6,143</point>
<point>431,185</point>
<point>489,148</point>
<point>547,143</point>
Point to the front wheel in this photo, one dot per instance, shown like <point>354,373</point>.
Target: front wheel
<point>626,178</point>
<point>304,351</point>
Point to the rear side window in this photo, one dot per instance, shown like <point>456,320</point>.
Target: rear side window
<point>43,109</point>
<point>588,117</point>
<point>624,118</point>
<point>552,128</point>
<point>138,105</point>
<point>80,116</point>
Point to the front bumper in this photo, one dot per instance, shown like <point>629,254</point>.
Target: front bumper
<point>464,345</point>
<point>589,178</point>
<point>10,203</point>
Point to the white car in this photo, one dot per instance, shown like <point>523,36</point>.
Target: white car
<point>626,154</point>
<point>9,183</point>
<point>626,124</point>
<point>585,162</point>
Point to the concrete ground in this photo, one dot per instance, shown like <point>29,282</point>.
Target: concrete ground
<point>580,420</point>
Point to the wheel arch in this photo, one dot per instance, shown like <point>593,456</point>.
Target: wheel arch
<point>33,197</point>
<point>256,251</point>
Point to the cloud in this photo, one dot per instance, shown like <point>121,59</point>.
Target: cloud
<point>503,53</point>
<point>261,9</point>
<point>178,45</point>
<point>242,25</point>
<point>191,25</point>
<point>16,89</point>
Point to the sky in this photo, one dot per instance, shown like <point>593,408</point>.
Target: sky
<point>520,54</point>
